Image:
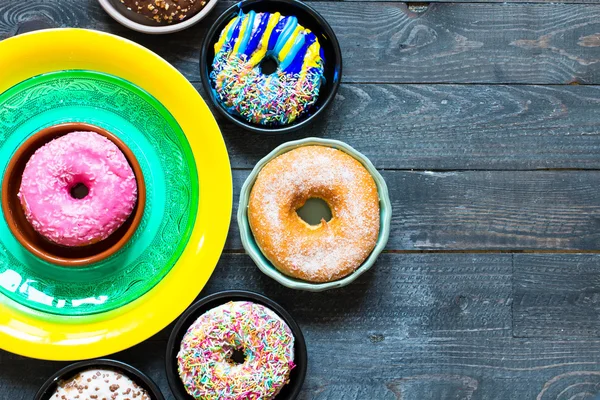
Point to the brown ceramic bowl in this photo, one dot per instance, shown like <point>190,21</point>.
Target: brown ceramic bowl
<point>36,243</point>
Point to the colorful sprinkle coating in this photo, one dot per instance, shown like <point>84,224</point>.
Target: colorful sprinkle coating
<point>205,360</point>
<point>239,83</point>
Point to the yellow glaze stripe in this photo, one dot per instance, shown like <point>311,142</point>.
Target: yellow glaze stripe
<point>243,28</point>
<point>290,42</point>
<point>224,34</point>
<point>311,59</point>
<point>260,53</point>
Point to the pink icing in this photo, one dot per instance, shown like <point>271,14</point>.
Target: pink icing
<point>78,157</point>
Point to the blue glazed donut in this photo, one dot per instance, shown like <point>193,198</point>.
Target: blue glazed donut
<point>242,86</point>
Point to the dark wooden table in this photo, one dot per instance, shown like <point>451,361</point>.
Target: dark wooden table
<point>484,118</point>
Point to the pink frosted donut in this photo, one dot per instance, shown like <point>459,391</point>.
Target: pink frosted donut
<point>85,158</point>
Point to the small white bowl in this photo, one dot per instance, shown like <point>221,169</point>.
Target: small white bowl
<point>158,29</point>
<point>265,265</point>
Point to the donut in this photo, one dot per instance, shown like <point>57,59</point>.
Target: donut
<point>205,362</point>
<point>240,84</point>
<point>98,384</point>
<point>163,11</point>
<point>332,249</point>
<point>75,159</point>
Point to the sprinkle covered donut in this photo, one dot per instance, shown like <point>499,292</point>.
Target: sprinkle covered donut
<point>315,253</point>
<point>248,91</point>
<point>205,360</point>
<point>163,11</point>
<point>98,384</point>
<point>78,158</point>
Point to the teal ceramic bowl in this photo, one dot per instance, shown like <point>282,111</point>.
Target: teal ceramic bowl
<point>265,265</point>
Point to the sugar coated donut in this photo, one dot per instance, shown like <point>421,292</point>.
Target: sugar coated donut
<point>205,360</point>
<point>330,250</point>
<point>239,81</point>
<point>85,158</point>
<point>98,384</point>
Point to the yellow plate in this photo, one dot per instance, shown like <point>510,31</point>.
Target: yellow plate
<point>29,333</point>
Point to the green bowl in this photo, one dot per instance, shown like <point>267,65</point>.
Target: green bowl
<point>265,265</point>
<point>169,169</point>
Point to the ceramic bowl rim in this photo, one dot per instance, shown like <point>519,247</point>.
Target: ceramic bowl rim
<point>253,249</point>
<point>128,370</point>
<point>156,30</point>
<point>205,65</point>
<point>223,297</point>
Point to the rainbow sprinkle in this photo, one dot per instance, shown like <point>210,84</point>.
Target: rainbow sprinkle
<point>239,83</point>
<point>204,359</point>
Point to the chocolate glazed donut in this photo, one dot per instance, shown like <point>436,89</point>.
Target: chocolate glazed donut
<point>164,11</point>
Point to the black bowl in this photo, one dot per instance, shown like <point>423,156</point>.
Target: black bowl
<point>134,374</point>
<point>289,391</point>
<point>308,18</point>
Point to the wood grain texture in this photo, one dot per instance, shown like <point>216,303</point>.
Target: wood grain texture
<point>342,368</point>
<point>485,210</point>
<point>449,127</point>
<point>403,296</point>
<point>474,43</point>
<point>439,326</point>
<point>423,90</point>
<point>419,6</point>
<point>556,295</point>
<point>421,295</point>
<point>436,298</point>
<point>390,43</point>
<point>468,43</point>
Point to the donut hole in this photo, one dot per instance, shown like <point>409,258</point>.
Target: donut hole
<point>238,356</point>
<point>314,210</point>
<point>269,65</point>
<point>79,191</point>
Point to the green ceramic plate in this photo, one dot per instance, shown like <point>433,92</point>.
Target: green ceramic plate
<point>385,207</point>
<point>169,171</point>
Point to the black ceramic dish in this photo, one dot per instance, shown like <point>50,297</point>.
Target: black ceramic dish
<point>308,18</point>
<point>134,374</point>
<point>289,391</point>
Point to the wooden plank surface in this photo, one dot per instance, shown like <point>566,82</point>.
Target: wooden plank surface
<point>474,43</point>
<point>442,295</point>
<point>556,295</point>
<point>484,210</point>
<point>442,298</point>
<point>421,6</point>
<point>450,127</point>
<point>419,369</point>
<point>439,97</point>
<point>439,326</point>
<point>388,43</point>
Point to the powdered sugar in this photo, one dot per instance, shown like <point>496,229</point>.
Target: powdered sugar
<point>332,249</point>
